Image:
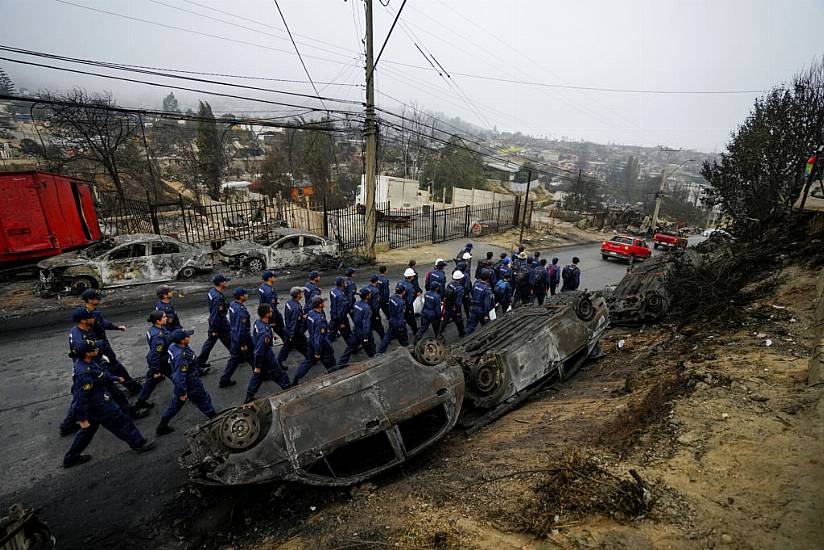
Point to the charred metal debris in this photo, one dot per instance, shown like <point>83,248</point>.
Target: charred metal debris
<point>347,426</point>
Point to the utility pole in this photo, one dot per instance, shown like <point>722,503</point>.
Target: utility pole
<point>371,136</point>
<point>658,197</point>
<point>526,203</point>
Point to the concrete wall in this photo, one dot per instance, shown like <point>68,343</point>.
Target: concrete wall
<point>462,197</point>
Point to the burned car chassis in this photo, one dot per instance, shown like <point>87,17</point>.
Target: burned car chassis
<point>347,426</point>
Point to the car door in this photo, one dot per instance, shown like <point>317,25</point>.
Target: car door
<point>314,247</point>
<point>125,265</point>
<point>166,260</point>
<point>285,252</point>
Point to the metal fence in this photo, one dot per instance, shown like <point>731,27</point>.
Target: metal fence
<point>216,224</point>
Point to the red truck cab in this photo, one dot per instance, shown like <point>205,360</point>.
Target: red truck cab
<point>669,239</point>
<point>625,248</point>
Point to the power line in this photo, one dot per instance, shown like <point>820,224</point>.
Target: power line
<point>386,41</point>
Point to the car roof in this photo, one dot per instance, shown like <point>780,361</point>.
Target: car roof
<point>289,231</point>
<point>140,237</point>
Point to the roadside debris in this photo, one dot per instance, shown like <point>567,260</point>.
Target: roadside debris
<point>23,530</point>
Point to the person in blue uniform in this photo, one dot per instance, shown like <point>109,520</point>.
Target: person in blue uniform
<point>186,380</point>
<point>218,320</point>
<point>267,295</point>
<point>375,304</point>
<point>461,255</point>
<point>414,279</point>
<point>383,286</point>
<point>266,364</point>
<point>453,303</point>
<point>361,330</point>
<point>294,326</point>
<point>351,288</point>
<point>409,286</point>
<point>164,304</point>
<point>157,358</point>
<point>540,283</point>
<point>481,303</point>
<point>397,323</point>
<point>571,275</point>
<point>92,298</point>
<point>467,282</point>
<point>554,274</point>
<point>437,275</point>
<point>503,292</point>
<point>313,289</point>
<point>339,311</point>
<point>94,406</point>
<point>320,348</point>
<point>505,268</point>
<point>432,311</point>
<point>240,337</point>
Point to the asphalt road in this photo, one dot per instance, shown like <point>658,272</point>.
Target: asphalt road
<point>114,498</point>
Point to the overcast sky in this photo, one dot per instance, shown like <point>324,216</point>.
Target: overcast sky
<point>657,45</point>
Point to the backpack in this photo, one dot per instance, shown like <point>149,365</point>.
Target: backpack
<point>522,276</point>
<point>568,274</point>
<point>500,288</point>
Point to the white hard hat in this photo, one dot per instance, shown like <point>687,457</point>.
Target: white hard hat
<point>457,275</point>
<point>467,256</point>
<point>409,272</point>
<point>440,261</point>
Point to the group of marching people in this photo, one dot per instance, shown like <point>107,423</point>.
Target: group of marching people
<point>353,315</point>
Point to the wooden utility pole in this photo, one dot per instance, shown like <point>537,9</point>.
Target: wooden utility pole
<point>659,196</point>
<point>526,204</point>
<point>371,136</point>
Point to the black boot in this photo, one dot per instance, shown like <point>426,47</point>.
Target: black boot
<point>163,428</point>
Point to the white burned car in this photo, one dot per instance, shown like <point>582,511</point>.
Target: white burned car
<point>277,249</point>
<point>122,261</point>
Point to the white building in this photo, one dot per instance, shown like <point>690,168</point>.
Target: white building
<point>398,192</point>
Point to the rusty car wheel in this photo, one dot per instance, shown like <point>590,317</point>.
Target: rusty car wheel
<point>256,265</point>
<point>584,309</point>
<point>240,429</point>
<point>430,351</point>
<point>79,284</point>
<point>187,272</point>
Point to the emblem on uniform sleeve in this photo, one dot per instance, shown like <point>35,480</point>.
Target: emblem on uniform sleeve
<point>159,348</point>
<point>184,368</point>
<point>87,386</point>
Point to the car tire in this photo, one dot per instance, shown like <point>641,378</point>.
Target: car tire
<point>79,284</point>
<point>604,257</point>
<point>256,265</point>
<point>187,272</point>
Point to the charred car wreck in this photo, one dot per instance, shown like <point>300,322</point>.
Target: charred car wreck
<point>347,426</point>
<point>642,296</point>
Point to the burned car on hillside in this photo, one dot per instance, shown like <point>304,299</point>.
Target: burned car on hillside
<point>276,249</point>
<point>337,429</point>
<point>347,426</point>
<point>122,261</point>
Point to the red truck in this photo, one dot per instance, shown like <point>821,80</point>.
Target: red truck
<point>669,239</point>
<point>44,214</point>
<point>625,248</point>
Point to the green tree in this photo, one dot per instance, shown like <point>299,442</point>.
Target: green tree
<point>170,104</point>
<point>209,151</point>
<point>6,83</point>
<point>273,174</point>
<point>524,171</point>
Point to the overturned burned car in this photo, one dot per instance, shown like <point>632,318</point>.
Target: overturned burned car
<point>344,427</point>
<point>121,261</point>
<point>337,429</point>
<point>642,295</point>
<point>278,248</point>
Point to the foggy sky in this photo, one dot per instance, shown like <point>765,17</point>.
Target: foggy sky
<point>631,44</point>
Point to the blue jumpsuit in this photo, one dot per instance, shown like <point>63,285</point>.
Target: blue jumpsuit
<point>431,314</point>
<point>409,312</point>
<point>539,283</point>
<point>240,339</point>
<point>397,324</point>
<point>312,290</point>
<point>453,302</point>
<point>383,287</point>
<point>172,320</point>
<point>267,295</point>
<point>375,304</point>
<point>218,325</point>
<point>157,359</point>
<point>92,402</point>
<point>186,380</point>
<point>320,348</point>
<point>435,276</point>
<point>481,306</point>
<point>338,311</point>
<point>361,333</point>
<point>572,278</point>
<point>351,292</point>
<point>99,328</point>
<point>294,328</point>
<point>503,294</point>
<point>265,360</point>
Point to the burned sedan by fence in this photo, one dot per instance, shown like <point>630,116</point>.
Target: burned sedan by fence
<point>337,429</point>
<point>121,261</point>
<point>278,248</point>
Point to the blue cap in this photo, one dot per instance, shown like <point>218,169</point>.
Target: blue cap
<point>350,271</point>
<point>239,291</point>
<point>313,274</point>
<point>85,346</point>
<point>267,275</point>
<point>338,280</point>
<point>468,245</point>
<point>81,314</point>
<point>485,273</point>
<point>507,261</point>
<point>434,285</point>
<point>364,292</point>
<point>220,278</point>
<point>400,286</point>
<point>90,293</point>
<point>374,279</point>
<point>179,334</point>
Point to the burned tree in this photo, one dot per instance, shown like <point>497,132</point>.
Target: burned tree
<point>89,127</point>
<point>210,155</point>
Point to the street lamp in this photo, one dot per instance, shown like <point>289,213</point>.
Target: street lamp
<point>660,194</point>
